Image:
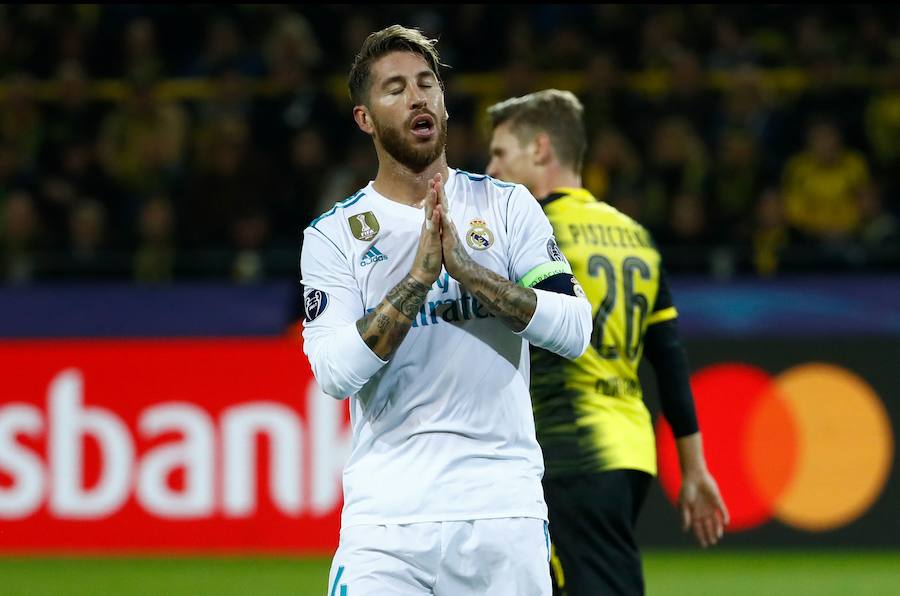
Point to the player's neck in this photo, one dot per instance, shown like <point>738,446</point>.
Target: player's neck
<point>560,178</point>
<point>398,183</point>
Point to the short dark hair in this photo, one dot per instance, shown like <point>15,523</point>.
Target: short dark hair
<point>395,38</point>
<point>557,113</point>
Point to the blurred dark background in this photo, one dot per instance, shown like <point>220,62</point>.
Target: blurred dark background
<point>164,143</point>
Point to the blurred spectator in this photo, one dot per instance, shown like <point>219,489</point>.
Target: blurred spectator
<point>87,241</point>
<point>521,44</point>
<point>225,50</point>
<point>230,179</point>
<point>249,232</point>
<point>607,103</point>
<point>465,149</point>
<point>879,228</point>
<point>660,38</point>
<point>303,186</point>
<point>12,174</point>
<point>473,47</point>
<point>612,172</point>
<point>229,98</point>
<point>686,223</point>
<point>519,78</point>
<point>770,234</point>
<point>882,116</point>
<point>74,175</point>
<point>72,117</point>
<point>748,108</point>
<point>21,121</point>
<point>688,96</point>
<point>9,60</point>
<point>827,95</point>
<point>292,41</point>
<point>677,169</point>
<point>73,43</point>
<point>736,184</point>
<point>823,186</point>
<point>141,57</point>
<point>732,49</point>
<point>154,258</point>
<point>357,26</point>
<point>21,238</point>
<point>142,142</point>
<point>568,46</point>
<point>298,99</point>
<point>872,40</point>
<point>812,41</point>
<point>357,169</point>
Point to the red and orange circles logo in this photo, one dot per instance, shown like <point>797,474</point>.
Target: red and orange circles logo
<point>811,447</point>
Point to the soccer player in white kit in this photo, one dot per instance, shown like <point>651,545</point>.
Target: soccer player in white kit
<point>426,329</point>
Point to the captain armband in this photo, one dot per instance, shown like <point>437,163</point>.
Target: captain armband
<point>555,277</point>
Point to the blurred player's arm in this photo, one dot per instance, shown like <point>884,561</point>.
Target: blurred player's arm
<point>550,315</point>
<point>345,352</point>
<point>702,507</point>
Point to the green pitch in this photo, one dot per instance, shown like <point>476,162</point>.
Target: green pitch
<point>669,573</point>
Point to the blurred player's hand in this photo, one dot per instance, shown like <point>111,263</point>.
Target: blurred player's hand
<point>702,508</point>
<point>456,259</point>
<point>427,264</point>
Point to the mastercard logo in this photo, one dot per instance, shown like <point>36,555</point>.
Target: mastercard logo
<point>811,447</point>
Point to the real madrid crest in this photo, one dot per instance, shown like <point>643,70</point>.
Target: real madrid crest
<point>479,237</point>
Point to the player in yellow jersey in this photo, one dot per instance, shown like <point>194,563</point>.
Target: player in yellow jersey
<point>592,424</point>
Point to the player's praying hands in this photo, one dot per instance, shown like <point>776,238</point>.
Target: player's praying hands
<point>456,259</point>
<point>427,264</point>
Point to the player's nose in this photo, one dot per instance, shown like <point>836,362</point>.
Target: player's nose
<point>417,98</point>
<point>492,169</point>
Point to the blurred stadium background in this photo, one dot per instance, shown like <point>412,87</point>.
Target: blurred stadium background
<point>160,432</point>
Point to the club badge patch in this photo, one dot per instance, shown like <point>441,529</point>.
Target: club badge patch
<point>479,237</point>
<point>554,252</point>
<point>364,226</point>
<point>579,291</point>
<point>316,302</point>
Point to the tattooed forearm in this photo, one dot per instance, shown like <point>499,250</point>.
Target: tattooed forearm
<point>384,328</point>
<point>408,296</point>
<point>513,304</point>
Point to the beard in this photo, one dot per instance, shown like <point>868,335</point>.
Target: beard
<point>413,155</point>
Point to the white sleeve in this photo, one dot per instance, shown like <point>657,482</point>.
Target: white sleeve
<point>341,361</point>
<point>531,240</point>
<point>561,323</point>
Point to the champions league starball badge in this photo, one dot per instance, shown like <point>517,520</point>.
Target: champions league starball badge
<point>479,237</point>
<point>554,252</point>
<point>316,302</point>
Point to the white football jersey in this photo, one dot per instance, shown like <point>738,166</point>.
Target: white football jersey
<point>444,431</point>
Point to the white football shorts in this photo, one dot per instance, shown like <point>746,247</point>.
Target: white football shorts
<point>499,557</point>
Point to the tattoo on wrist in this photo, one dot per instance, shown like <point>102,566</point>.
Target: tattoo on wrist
<point>408,296</point>
<point>513,304</point>
<point>427,265</point>
<point>381,330</point>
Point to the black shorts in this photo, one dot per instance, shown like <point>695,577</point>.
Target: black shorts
<point>592,520</point>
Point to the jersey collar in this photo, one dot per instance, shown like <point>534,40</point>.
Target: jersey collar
<point>579,194</point>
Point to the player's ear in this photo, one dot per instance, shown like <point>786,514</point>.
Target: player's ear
<point>542,149</point>
<point>363,119</point>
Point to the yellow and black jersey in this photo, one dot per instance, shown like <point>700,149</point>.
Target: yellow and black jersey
<point>589,412</point>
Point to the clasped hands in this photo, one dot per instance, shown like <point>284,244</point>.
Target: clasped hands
<point>439,241</point>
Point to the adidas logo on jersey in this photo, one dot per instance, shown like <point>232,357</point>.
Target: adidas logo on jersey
<point>373,255</point>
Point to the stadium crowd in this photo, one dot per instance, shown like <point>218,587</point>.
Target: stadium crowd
<point>165,142</point>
